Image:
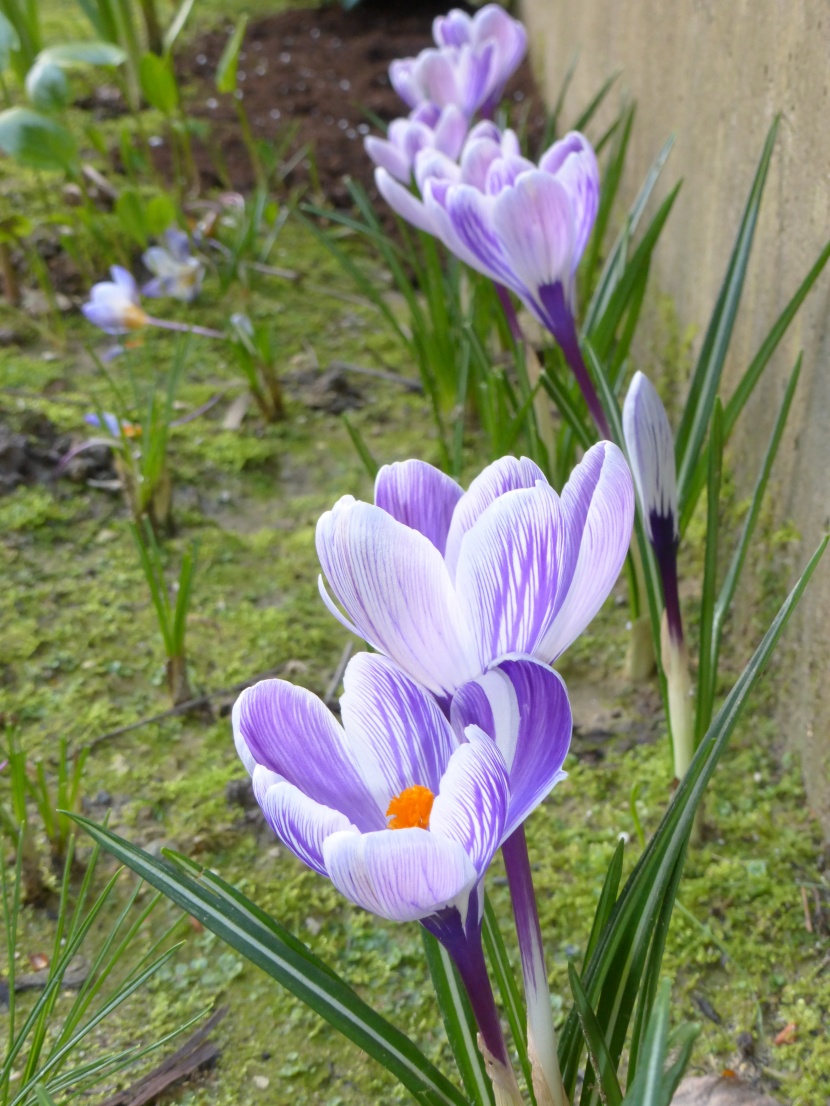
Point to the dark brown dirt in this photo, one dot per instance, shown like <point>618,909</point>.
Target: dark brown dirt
<point>323,74</point>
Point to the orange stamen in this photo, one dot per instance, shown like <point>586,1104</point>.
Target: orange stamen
<point>411,809</point>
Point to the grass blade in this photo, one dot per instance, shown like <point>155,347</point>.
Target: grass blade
<point>730,582</point>
<point>231,916</point>
<point>707,666</point>
<point>601,1062</point>
<point>458,1021</point>
<point>706,378</point>
<point>617,963</point>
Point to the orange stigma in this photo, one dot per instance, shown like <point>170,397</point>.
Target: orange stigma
<point>411,809</point>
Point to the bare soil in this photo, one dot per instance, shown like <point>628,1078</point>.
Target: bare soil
<point>321,73</point>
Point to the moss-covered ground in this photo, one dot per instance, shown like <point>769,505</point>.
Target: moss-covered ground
<point>81,655</point>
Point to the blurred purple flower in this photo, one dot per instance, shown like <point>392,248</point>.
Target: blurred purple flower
<point>119,428</point>
<point>490,23</point>
<point>469,66</point>
<point>114,305</point>
<point>447,582</point>
<point>176,272</point>
<point>524,226</point>
<point>427,127</point>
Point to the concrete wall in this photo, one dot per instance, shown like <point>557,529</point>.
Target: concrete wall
<point>715,72</point>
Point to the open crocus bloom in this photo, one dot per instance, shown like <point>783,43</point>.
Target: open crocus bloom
<point>427,127</point>
<point>490,23</point>
<point>402,811</point>
<point>522,225</point>
<point>176,272</point>
<point>447,582</point>
<point>114,305</point>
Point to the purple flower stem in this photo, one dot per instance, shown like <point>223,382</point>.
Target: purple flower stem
<point>560,322</point>
<point>542,1045</point>
<point>462,940</point>
<point>509,312</point>
<point>184,328</point>
<point>666,554</point>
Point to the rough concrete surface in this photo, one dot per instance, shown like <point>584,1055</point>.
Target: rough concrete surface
<point>715,74</point>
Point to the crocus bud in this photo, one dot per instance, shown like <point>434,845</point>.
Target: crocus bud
<point>650,445</point>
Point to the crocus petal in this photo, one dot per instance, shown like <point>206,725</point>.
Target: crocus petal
<point>397,733</point>
<point>471,215</point>
<point>299,822</point>
<point>125,281</point>
<point>504,475</point>
<point>178,245</point>
<point>510,573</point>
<point>436,75</point>
<point>453,29</point>
<point>290,731</point>
<point>472,803</point>
<point>401,77</point>
<point>420,496</point>
<point>153,288</point>
<point>476,159</point>
<point>574,164</point>
<point>387,156</point>
<point>394,586</point>
<point>523,705</point>
<point>650,445</point>
<point>450,131</point>
<point>158,261</point>
<point>401,875</point>
<point>598,505</point>
<point>504,172</point>
<point>400,199</point>
<point>534,221</point>
<point>509,35</point>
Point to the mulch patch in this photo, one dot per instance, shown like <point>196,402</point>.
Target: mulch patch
<point>324,73</point>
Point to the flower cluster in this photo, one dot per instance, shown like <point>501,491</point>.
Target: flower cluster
<point>456,728</point>
<point>523,224</point>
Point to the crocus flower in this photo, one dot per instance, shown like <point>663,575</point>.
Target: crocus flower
<point>446,582</point>
<point>427,127</point>
<point>118,428</point>
<point>465,76</point>
<point>650,446</point>
<point>401,809</point>
<point>176,272</point>
<point>114,305</point>
<point>490,23</point>
<point>524,226</point>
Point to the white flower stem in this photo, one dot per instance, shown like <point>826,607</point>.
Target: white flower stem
<point>542,1045</point>
<point>184,328</point>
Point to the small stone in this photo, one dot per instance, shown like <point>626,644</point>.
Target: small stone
<point>261,1082</point>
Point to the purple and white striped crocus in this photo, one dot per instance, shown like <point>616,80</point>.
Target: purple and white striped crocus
<point>447,582</point>
<point>524,226</point>
<point>649,443</point>
<point>402,809</point>
<point>176,271</point>
<point>490,23</point>
<point>471,63</point>
<point>427,127</point>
